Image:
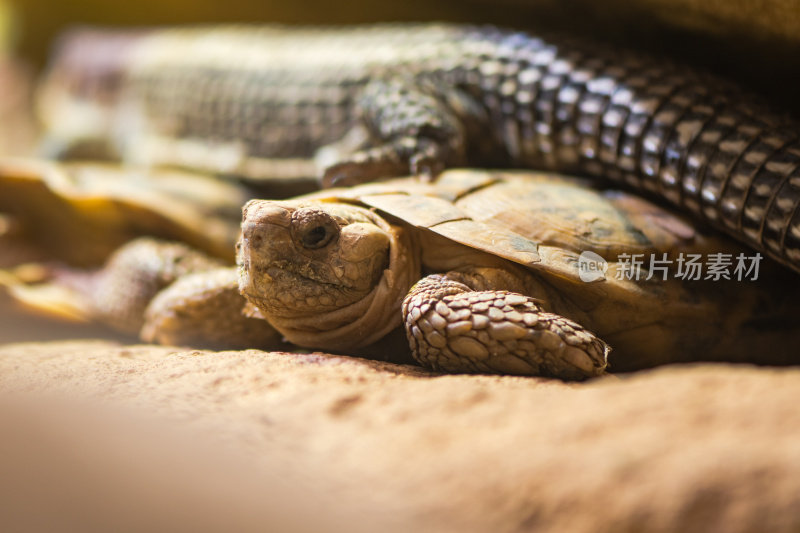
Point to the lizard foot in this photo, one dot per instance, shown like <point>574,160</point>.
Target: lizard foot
<point>406,156</point>
<point>406,127</point>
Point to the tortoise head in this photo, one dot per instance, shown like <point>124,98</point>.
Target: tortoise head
<point>322,272</point>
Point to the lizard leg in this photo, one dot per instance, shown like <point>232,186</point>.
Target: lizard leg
<point>406,128</point>
<point>454,328</point>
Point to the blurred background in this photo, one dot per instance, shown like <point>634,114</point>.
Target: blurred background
<point>755,41</point>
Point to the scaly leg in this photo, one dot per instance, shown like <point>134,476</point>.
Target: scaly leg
<point>205,309</point>
<point>418,131</point>
<point>121,290</point>
<point>454,328</point>
<point>172,294</point>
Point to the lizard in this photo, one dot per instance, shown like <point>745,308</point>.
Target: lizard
<point>355,104</point>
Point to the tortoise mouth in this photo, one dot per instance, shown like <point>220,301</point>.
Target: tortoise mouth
<point>279,274</point>
<point>287,293</point>
<point>274,286</point>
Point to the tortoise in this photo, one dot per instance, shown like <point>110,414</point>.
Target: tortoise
<point>486,271</point>
<point>79,214</point>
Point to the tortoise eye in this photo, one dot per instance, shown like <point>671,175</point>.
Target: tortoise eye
<point>316,237</point>
<point>313,229</point>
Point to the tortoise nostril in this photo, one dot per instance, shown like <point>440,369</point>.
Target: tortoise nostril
<point>253,235</point>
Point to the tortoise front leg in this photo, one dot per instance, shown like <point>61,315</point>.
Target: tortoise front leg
<point>205,309</point>
<point>454,328</point>
<point>170,293</point>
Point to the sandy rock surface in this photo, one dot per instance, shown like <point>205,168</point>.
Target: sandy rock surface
<point>288,441</point>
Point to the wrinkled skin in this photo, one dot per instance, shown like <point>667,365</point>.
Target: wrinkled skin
<point>318,261</point>
<point>320,276</point>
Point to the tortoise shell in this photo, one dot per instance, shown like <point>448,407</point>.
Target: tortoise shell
<point>540,220</point>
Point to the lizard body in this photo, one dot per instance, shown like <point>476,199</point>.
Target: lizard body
<point>354,104</point>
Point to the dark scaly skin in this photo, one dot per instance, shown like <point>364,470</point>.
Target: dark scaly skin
<point>429,97</point>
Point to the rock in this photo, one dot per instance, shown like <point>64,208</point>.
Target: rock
<point>684,448</point>
<point>71,466</point>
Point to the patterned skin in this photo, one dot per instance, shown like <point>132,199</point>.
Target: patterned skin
<point>355,104</point>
